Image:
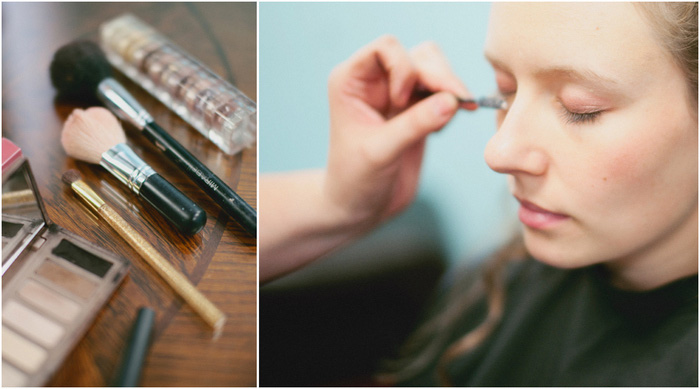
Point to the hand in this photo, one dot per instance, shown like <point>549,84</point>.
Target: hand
<point>378,131</point>
<point>377,139</point>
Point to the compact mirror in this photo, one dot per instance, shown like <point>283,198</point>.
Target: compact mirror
<point>22,213</point>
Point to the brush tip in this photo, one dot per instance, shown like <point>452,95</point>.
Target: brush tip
<point>77,68</point>
<point>71,176</point>
<point>87,134</point>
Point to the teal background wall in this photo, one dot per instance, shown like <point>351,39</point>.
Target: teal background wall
<point>299,44</point>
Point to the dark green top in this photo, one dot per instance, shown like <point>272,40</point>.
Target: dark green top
<point>572,328</point>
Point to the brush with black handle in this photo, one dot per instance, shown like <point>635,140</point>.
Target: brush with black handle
<point>80,70</point>
<point>95,136</point>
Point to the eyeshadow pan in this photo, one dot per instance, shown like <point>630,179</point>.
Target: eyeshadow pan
<point>21,352</point>
<point>49,301</point>
<point>9,230</point>
<point>31,324</point>
<point>74,283</point>
<point>12,377</point>
<point>82,258</point>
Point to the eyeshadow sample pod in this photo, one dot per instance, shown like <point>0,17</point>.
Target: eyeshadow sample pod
<point>53,282</point>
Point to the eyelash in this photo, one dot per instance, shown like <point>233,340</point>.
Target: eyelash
<point>580,118</point>
<point>568,116</point>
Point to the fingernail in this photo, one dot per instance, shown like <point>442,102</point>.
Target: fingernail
<point>444,104</point>
<point>469,105</point>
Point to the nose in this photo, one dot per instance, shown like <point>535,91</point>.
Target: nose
<point>517,147</point>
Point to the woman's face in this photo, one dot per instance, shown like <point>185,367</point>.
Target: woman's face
<point>599,141</point>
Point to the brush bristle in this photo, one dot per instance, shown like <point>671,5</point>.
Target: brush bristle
<point>77,68</point>
<point>71,176</point>
<point>87,134</point>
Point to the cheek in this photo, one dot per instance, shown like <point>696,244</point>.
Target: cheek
<point>649,166</point>
<point>621,166</point>
<point>606,170</point>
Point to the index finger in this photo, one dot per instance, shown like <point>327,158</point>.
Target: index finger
<point>384,58</point>
<point>434,71</point>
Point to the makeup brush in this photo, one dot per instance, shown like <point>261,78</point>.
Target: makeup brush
<point>182,286</point>
<point>81,70</point>
<point>95,136</point>
<point>470,104</point>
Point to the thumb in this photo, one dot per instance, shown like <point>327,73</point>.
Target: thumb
<point>417,122</point>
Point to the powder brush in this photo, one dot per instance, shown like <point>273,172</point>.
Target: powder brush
<point>182,286</point>
<point>95,136</point>
<point>80,70</point>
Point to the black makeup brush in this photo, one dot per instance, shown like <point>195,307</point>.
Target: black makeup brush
<point>81,70</point>
<point>95,136</point>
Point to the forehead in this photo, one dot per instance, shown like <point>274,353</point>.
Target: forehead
<point>581,19</point>
<point>610,37</point>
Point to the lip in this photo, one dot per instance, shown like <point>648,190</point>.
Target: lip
<point>537,217</point>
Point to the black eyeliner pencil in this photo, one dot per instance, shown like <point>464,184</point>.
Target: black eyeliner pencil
<point>129,373</point>
<point>80,69</point>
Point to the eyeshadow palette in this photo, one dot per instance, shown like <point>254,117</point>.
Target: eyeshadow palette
<point>54,283</point>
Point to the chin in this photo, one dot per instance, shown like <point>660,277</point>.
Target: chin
<point>559,253</point>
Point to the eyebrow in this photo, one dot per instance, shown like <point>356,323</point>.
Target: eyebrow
<point>583,75</point>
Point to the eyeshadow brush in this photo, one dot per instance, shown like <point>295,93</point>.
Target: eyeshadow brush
<point>469,104</point>
<point>80,70</point>
<point>95,136</point>
<point>182,286</point>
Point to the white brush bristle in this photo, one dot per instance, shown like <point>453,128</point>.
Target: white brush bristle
<point>89,133</point>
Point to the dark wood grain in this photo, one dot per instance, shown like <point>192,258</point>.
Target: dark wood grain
<point>220,260</point>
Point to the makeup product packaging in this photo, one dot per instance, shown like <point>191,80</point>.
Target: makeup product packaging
<point>53,282</point>
<point>211,105</point>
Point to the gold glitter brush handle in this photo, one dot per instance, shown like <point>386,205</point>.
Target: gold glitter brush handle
<point>182,286</point>
<point>210,313</point>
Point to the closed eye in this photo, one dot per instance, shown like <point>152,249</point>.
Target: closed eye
<point>580,117</point>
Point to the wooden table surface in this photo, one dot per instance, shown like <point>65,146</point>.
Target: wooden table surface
<point>220,260</point>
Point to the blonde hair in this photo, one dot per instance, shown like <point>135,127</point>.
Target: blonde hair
<point>675,25</point>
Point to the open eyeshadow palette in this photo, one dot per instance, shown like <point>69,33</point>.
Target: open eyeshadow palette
<point>54,283</point>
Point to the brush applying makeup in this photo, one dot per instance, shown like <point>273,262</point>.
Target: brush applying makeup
<point>494,102</point>
<point>80,70</point>
<point>95,136</point>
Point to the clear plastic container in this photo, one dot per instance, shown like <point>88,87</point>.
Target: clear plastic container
<point>210,104</point>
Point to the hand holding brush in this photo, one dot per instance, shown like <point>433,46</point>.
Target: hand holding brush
<point>211,315</point>
<point>95,136</point>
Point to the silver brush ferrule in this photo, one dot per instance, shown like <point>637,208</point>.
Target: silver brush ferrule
<point>122,103</point>
<point>493,102</point>
<point>124,164</point>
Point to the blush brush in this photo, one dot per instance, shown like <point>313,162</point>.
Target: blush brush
<point>95,136</point>
<point>80,70</point>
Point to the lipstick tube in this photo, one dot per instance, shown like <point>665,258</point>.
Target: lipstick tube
<point>211,105</point>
